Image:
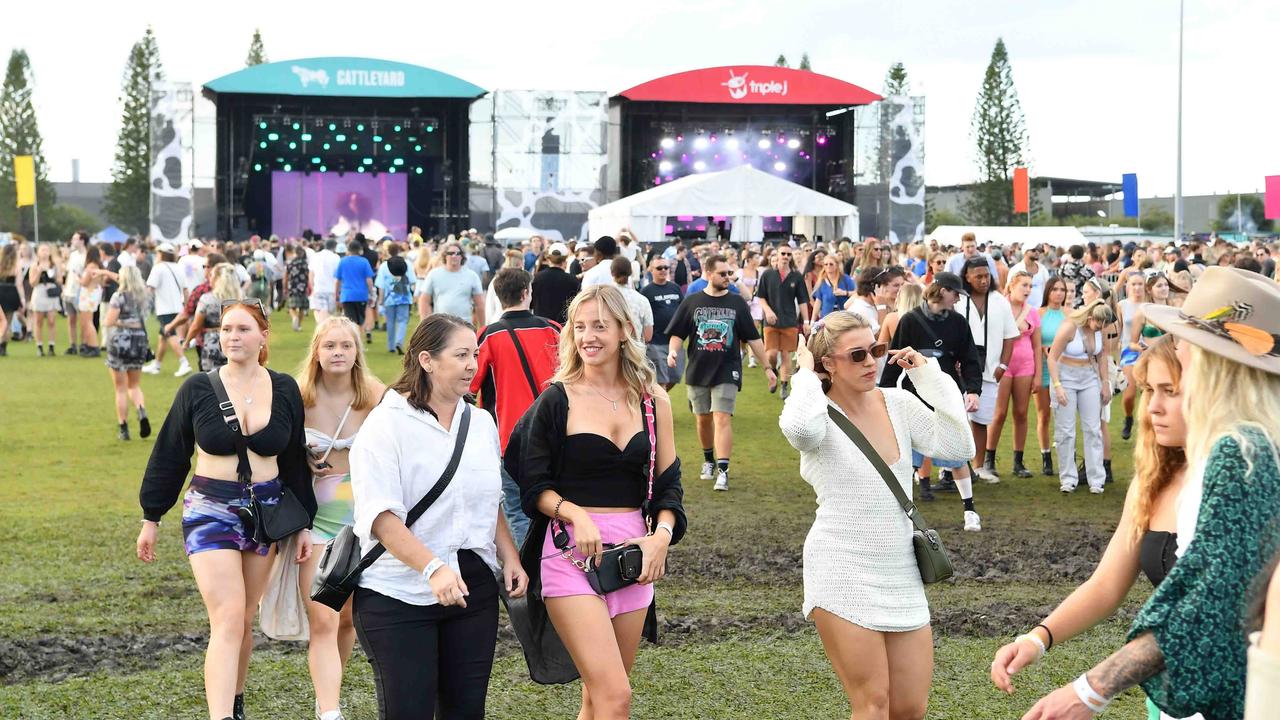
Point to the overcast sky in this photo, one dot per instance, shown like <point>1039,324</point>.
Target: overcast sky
<point>1097,78</point>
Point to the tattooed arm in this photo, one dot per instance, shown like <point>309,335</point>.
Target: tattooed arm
<point>1137,661</point>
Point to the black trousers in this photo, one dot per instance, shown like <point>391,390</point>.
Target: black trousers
<point>355,313</point>
<point>425,657</point>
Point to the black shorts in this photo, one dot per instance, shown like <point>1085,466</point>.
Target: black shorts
<point>165,320</point>
<point>355,311</point>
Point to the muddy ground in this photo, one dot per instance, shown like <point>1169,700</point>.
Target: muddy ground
<point>1021,556</point>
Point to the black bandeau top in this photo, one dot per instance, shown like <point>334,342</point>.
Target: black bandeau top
<point>194,419</point>
<point>1157,553</point>
<point>596,473</point>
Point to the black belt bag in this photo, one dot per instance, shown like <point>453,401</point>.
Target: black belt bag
<point>340,565</point>
<point>263,523</point>
<point>932,560</point>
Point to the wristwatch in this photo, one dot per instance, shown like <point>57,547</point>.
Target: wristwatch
<point>431,567</point>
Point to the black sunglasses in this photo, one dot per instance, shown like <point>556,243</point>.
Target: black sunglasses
<point>876,351</point>
<point>451,252</point>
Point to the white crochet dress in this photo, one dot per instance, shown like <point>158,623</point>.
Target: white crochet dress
<point>858,561</point>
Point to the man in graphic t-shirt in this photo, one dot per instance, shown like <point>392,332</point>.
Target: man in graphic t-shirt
<point>715,321</point>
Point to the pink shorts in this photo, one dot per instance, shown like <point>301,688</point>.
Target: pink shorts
<point>1021,366</point>
<point>561,578</point>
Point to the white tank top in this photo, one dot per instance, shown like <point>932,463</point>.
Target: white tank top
<point>1076,349</point>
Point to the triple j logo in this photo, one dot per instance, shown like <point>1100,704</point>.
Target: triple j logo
<point>739,86</point>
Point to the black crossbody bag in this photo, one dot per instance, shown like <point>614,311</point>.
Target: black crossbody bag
<point>620,565</point>
<point>932,560</point>
<point>263,523</point>
<point>340,565</point>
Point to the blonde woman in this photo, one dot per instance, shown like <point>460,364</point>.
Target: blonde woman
<point>513,258</point>
<point>597,437</point>
<point>1079,386</point>
<point>1019,380</point>
<point>45,277</point>
<point>127,347</point>
<point>862,587</point>
<point>910,297</point>
<point>337,393</point>
<point>1187,645</point>
<point>224,288</point>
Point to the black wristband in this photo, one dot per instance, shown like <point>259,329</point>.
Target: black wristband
<point>1048,632</point>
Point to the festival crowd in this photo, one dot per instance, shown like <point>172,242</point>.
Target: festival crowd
<point>526,452</point>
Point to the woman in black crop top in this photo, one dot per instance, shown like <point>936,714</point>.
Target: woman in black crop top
<point>1146,537</point>
<point>231,569</point>
<point>594,438</point>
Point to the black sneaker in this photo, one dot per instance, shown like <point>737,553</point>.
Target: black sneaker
<point>237,708</point>
<point>368,338</point>
<point>399,350</point>
<point>946,483</point>
<point>73,350</point>
<point>144,427</point>
<point>124,431</point>
<point>39,351</point>
<point>1127,431</point>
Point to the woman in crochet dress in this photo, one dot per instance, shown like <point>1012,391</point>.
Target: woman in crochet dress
<point>861,584</point>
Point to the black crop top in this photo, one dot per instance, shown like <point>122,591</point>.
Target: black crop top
<point>595,473</point>
<point>194,419</point>
<point>1157,554</point>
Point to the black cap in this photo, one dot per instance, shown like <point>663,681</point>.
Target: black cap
<point>950,281</point>
<point>606,246</point>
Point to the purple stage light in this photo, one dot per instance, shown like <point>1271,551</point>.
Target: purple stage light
<point>657,181</point>
<point>667,143</point>
<point>713,138</point>
<point>679,138</point>
<point>822,139</point>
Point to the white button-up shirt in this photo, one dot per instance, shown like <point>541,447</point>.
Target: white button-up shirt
<point>397,458</point>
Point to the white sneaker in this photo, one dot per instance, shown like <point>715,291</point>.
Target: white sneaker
<point>751,360</point>
<point>183,369</point>
<point>1097,490</point>
<point>1067,489</point>
<point>708,470</point>
<point>722,481</point>
<point>151,368</point>
<point>972,522</point>
<point>985,474</point>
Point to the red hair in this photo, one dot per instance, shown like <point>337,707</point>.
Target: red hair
<point>255,311</point>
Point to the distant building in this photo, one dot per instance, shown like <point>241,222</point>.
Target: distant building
<point>91,197</point>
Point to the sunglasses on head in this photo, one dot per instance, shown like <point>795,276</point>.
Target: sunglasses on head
<point>251,302</point>
<point>876,351</point>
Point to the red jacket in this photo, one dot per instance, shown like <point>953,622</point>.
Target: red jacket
<point>500,380</point>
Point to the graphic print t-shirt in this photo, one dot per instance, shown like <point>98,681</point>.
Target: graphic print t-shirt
<point>714,327</point>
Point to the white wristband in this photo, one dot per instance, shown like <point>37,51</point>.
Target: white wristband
<point>1034,640</point>
<point>666,526</point>
<point>431,568</point>
<point>1091,699</point>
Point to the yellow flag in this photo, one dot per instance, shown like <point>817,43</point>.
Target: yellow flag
<point>24,171</point>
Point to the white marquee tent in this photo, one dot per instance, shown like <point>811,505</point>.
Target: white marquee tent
<point>745,194</point>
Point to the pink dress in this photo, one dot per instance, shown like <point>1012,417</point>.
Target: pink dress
<point>1022,362</point>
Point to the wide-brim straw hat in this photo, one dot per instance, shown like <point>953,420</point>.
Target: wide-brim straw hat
<point>1230,312</point>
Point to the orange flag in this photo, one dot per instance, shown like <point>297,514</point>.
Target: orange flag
<point>1021,191</point>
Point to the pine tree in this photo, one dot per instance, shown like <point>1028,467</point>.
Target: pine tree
<point>895,81</point>
<point>20,135</point>
<point>804,62</point>
<point>128,198</point>
<point>781,61</point>
<point>1000,131</point>
<point>257,53</point>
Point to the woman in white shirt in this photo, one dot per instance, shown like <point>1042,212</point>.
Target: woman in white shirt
<point>426,612</point>
<point>862,587</point>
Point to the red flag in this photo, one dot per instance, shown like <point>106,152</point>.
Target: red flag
<point>1272,202</point>
<point>1021,191</point>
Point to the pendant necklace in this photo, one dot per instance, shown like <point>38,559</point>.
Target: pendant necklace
<point>606,397</point>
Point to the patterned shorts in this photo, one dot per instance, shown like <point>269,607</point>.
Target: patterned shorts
<point>209,520</point>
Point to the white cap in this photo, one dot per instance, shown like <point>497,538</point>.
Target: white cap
<point>195,243</point>
<point>559,248</point>
<point>165,247</point>
<point>260,255</point>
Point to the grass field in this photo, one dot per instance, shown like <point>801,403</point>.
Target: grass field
<point>88,631</point>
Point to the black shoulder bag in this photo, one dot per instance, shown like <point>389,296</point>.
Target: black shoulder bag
<point>620,565</point>
<point>263,522</point>
<point>340,566</point>
<point>934,564</point>
<point>524,361</point>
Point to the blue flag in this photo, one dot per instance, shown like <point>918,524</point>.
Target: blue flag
<point>1129,185</point>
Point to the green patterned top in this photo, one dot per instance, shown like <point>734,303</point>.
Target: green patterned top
<point>1198,613</point>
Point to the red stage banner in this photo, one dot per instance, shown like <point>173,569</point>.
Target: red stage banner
<point>1021,191</point>
<point>1272,204</point>
<point>751,85</point>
